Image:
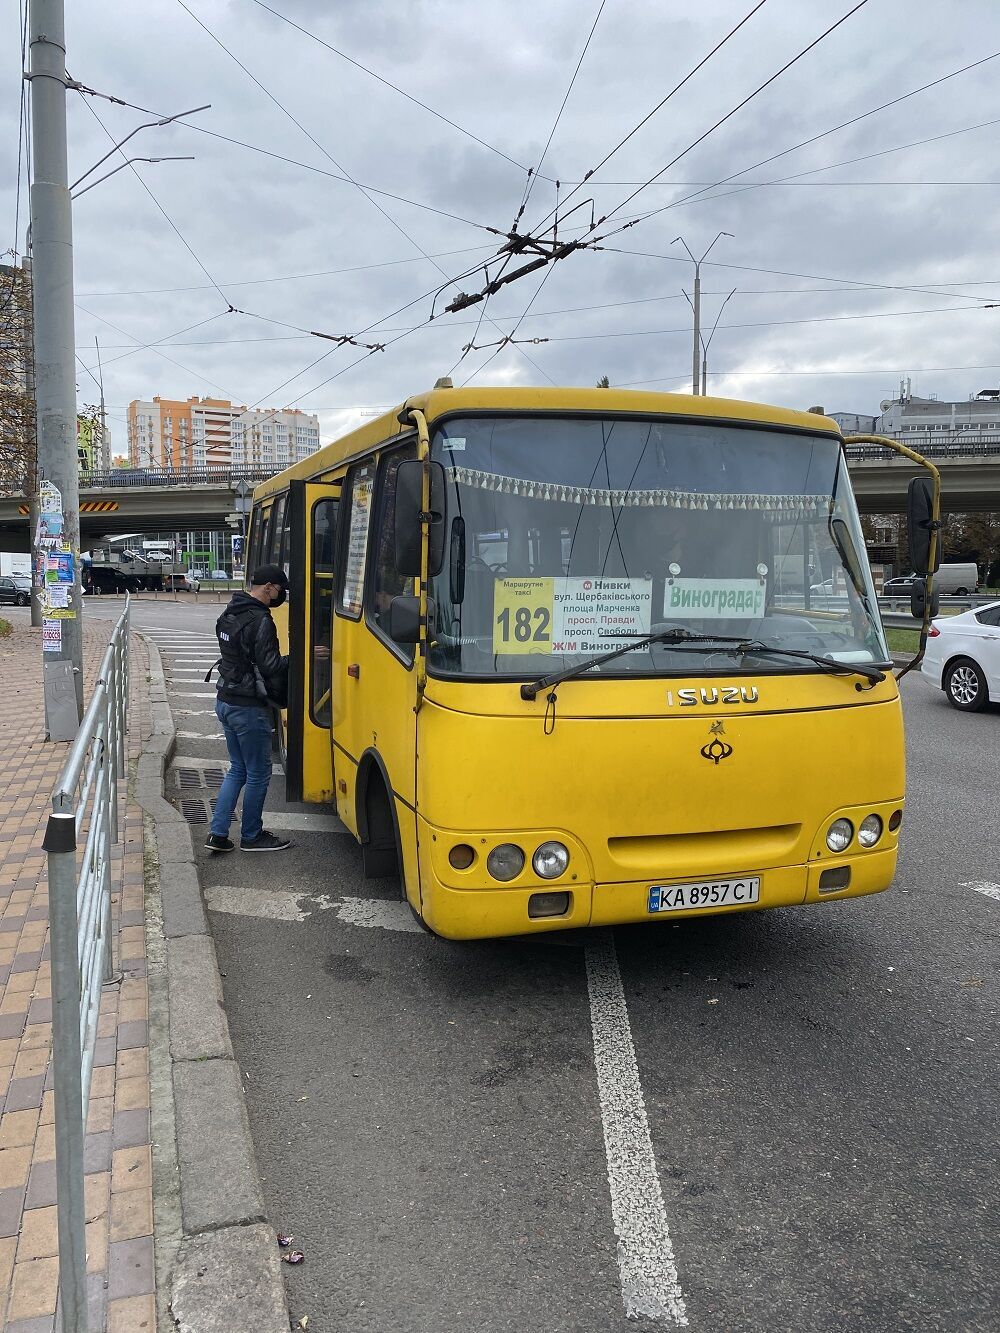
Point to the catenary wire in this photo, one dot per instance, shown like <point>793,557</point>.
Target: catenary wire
<point>677,87</point>
<point>533,173</point>
<point>738,107</point>
<point>883,370</point>
<point>409,97</point>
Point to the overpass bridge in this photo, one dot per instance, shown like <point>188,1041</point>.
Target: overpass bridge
<point>161,500</point>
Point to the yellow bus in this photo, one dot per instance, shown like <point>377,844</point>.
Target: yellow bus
<point>579,657</point>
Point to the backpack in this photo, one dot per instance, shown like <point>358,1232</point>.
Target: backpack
<point>229,629</point>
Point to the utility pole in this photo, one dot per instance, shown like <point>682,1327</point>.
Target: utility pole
<point>55,378</point>
<point>707,342</point>
<point>105,450</point>
<point>696,346</point>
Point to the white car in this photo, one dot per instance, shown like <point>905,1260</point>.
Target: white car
<point>963,657</point>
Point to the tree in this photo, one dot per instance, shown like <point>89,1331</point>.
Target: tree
<point>603,383</point>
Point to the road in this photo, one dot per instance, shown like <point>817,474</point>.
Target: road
<point>820,1083</point>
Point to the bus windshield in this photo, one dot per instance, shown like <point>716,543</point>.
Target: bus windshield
<point>568,536</point>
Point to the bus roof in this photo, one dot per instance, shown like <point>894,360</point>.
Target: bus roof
<point>446,402</point>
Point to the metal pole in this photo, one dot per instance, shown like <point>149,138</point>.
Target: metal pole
<point>105,451</point>
<point>31,479</point>
<point>52,274</point>
<point>704,373</point>
<point>696,346</point>
<point>60,844</point>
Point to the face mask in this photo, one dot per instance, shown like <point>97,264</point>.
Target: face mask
<point>280,599</point>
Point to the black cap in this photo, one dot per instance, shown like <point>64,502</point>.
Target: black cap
<point>268,574</point>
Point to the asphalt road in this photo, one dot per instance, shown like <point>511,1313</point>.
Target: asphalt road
<point>820,1083</point>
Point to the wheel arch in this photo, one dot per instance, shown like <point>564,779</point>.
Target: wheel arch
<point>372,766</point>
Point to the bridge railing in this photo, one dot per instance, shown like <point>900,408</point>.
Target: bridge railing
<point>118,478</point>
<point>940,446</point>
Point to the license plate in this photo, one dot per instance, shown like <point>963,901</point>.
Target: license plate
<point>706,893</point>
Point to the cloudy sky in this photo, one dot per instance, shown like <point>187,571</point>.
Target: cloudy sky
<point>346,203</point>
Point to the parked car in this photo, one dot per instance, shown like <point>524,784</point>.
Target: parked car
<point>900,587</point>
<point>182,583</point>
<point>15,591</point>
<point>157,556</point>
<point>963,657</point>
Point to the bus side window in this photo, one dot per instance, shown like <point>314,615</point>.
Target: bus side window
<point>324,528</point>
<point>276,530</point>
<point>387,582</point>
<point>258,530</point>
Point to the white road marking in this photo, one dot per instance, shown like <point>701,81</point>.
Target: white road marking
<point>202,736</point>
<point>650,1285</point>
<point>304,823</point>
<point>985,887</point>
<point>194,712</point>
<point>269,904</point>
<point>381,913</point>
<point>194,694</point>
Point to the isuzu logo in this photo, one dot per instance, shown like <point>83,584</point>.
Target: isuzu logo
<point>727,694</point>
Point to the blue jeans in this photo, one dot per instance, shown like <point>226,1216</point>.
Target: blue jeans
<point>248,739</point>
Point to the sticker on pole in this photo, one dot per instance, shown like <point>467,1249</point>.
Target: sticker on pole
<point>51,636</point>
<point>569,615</point>
<point>713,599</point>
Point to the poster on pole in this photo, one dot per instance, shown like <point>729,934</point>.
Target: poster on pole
<point>51,636</point>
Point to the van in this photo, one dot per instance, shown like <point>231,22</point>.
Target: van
<point>956,578</point>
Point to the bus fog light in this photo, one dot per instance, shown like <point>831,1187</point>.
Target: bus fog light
<point>550,860</point>
<point>548,904</point>
<point>839,835</point>
<point>505,861</point>
<point>834,879</point>
<point>869,831</point>
<point>461,856</point>
<point>895,819</point>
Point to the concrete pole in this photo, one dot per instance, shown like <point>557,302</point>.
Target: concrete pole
<point>696,349</point>
<point>52,274</point>
<point>31,479</point>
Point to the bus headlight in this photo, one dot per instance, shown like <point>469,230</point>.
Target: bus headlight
<point>839,835</point>
<point>506,861</point>
<point>869,831</point>
<point>550,860</point>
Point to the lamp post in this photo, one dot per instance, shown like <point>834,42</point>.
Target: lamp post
<point>696,308</point>
<point>706,343</point>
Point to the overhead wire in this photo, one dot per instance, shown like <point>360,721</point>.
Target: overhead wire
<point>534,172</point>
<point>271,97</point>
<point>843,125</point>
<point>738,107</point>
<point>662,103</point>
<point>818,373</point>
<point>389,84</point>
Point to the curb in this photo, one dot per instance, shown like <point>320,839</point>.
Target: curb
<point>217,1267</point>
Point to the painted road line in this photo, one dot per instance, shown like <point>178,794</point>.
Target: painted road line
<point>985,887</point>
<point>194,712</point>
<point>379,913</point>
<point>650,1286</point>
<point>201,736</point>
<point>269,904</point>
<point>193,694</point>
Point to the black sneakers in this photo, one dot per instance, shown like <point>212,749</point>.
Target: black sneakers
<point>264,842</point>
<point>215,842</point>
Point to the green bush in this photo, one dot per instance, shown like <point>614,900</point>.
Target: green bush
<point>5,628</point>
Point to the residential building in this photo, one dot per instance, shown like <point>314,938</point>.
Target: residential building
<point>213,432</point>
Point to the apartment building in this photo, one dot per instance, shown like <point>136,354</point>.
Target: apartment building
<point>213,432</point>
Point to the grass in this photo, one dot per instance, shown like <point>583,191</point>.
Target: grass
<point>903,640</point>
<point>5,628</point>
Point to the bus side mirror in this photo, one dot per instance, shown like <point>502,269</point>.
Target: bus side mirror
<point>918,599</point>
<point>404,618</point>
<point>919,517</point>
<point>409,508</point>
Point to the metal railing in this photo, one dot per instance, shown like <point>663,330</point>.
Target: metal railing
<point>79,839</point>
<point>118,478</point>
<point>948,445</point>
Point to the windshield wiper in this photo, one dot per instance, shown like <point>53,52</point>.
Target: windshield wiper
<point>831,664</point>
<point>531,689</point>
<point>739,647</point>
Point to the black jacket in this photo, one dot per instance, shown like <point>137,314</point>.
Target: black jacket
<point>248,639</point>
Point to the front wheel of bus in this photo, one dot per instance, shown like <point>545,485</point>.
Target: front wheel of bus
<point>380,849</point>
<point>965,686</point>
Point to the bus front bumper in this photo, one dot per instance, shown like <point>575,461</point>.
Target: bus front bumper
<point>481,913</point>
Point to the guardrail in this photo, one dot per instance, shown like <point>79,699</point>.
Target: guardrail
<point>82,830</point>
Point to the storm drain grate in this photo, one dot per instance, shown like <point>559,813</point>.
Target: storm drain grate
<point>194,811</point>
<point>189,778</point>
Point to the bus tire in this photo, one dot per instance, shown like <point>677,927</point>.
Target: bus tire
<point>379,839</point>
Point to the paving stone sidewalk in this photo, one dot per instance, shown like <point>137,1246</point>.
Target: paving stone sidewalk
<point>119,1200</point>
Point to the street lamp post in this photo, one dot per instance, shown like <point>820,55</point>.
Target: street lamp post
<point>707,342</point>
<point>696,308</point>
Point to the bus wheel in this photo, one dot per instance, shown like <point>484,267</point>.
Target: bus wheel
<point>379,852</point>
